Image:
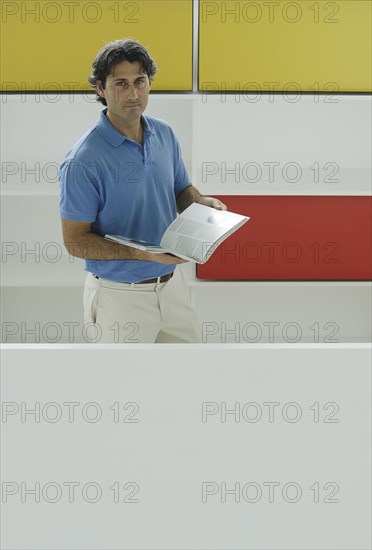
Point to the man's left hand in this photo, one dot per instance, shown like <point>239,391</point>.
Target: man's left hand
<point>212,202</point>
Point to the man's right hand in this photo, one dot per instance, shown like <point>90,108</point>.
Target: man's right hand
<point>164,258</point>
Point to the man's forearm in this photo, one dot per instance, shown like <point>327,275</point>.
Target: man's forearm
<point>91,246</point>
<point>187,197</point>
<point>94,247</point>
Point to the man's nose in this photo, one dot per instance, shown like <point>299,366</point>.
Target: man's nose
<point>133,90</point>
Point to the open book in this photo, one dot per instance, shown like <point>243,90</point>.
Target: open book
<point>194,235</point>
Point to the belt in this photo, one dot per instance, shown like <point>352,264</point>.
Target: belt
<point>162,279</point>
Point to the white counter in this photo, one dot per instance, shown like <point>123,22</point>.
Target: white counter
<point>186,446</point>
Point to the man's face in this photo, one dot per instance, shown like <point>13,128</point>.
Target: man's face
<point>126,92</point>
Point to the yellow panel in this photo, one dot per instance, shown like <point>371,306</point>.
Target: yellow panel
<point>47,44</point>
<point>267,45</point>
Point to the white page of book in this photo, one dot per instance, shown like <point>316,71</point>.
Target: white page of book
<point>197,230</point>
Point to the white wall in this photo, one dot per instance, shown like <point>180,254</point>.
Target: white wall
<point>321,146</point>
<point>42,284</point>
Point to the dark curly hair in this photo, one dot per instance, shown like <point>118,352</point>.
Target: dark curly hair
<point>116,52</point>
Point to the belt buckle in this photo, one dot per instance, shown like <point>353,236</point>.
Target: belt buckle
<point>167,277</point>
<point>163,278</point>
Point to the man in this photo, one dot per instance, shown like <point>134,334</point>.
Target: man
<point>126,176</point>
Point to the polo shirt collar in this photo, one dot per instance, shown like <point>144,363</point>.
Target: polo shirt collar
<point>110,134</point>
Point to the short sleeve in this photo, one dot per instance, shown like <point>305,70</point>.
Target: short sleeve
<point>79,195</point>
<point>181,177</point>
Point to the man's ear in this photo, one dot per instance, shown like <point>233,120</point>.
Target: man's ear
<point>100,89</point>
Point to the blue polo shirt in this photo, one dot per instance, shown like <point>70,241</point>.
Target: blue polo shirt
<point>124,188</point>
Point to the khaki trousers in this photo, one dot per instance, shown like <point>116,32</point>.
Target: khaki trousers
<point>140,313</point>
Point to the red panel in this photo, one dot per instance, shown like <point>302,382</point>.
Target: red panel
<point>296,238</point>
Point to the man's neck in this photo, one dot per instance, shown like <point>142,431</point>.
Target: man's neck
<point>133,131</point>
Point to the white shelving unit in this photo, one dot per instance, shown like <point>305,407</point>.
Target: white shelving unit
<point>42,285</point>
